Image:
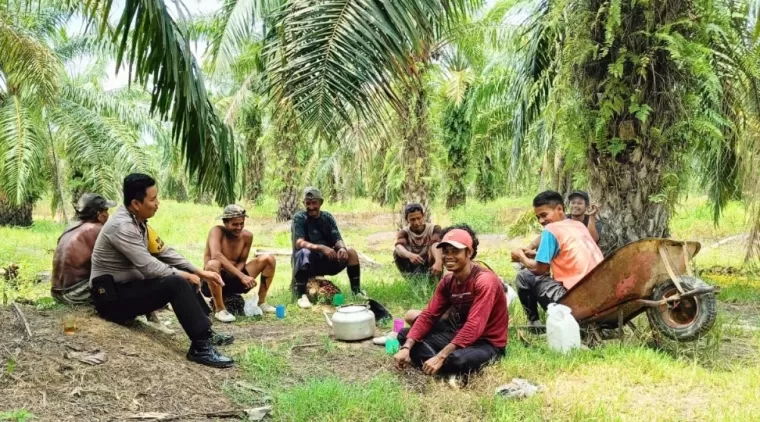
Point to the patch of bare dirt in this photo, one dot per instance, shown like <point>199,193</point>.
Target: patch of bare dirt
<point>363,220</point>
<point>741,313</point>
<point>381,241</point>
<point>145,371</point>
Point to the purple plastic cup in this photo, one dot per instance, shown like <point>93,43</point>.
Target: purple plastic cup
<point>398,325</point>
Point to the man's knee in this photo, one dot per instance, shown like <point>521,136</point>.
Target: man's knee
<point>213,265</point>
<point>524,279</point>
<point>269,260</point>
<point>411,315</point>
<point>303,253</point>
<point>353,256</point>
<point>466,360</point>
<point>455,362</point>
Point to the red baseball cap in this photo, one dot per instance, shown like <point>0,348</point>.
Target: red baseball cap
<point>457,238</point>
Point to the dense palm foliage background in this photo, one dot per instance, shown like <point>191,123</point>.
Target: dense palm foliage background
<point>424,100</point>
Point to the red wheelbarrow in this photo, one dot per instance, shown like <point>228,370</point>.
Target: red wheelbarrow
<point>652,276</point>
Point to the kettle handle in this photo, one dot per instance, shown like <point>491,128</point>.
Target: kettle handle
<point>327,318</point>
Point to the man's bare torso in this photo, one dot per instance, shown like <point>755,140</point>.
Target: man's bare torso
<point>234,249</point>
<point>72,260</point>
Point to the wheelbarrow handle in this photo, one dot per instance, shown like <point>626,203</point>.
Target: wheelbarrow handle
<point>674,298</point>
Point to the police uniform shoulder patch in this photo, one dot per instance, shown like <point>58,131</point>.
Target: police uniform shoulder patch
<point>155,244</point>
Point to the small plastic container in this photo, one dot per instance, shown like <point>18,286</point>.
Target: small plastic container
<point>280,311</point>
<point>69,324</point>
<point>338,299</point>
<point>391,346</point>
<point>398,325</point>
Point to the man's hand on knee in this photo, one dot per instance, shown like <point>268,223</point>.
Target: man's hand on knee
<point>211,277</point>
<point>192,279</point>
<point>248,281</point>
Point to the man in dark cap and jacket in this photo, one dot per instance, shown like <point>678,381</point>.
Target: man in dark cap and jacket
<point>72,260</point>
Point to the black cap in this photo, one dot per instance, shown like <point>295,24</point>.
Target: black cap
<point>312,193</point>
<point>95,202</point>
<point>580,193</point>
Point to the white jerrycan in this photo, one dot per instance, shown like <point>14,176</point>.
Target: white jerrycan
<point>562,329</point>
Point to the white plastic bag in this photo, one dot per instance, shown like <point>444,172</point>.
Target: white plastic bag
<point>511,294</point>
<point>251,307</point>
<point>562,330</point>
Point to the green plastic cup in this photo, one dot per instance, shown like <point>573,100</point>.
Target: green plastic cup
<point>338,299</point>
<point>391,346</point>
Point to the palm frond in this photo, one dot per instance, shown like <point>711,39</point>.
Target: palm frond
<point>333,58</point>
<point>157,51</point>
<point>232,27</point>
<point>23,149</point>
<point>30,66</point>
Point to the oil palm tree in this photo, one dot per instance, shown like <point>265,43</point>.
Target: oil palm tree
<point>55,126</point>
<point>152,41</point>
<point>336,62</point>
<point>644,92</point>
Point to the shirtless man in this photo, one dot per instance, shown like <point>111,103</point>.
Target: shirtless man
<point>73,255</point>
<point>227,250</point>
<point>415,252</point>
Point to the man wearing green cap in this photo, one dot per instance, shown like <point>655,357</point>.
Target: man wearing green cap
<point>318,248</point>
<point>227,250</point>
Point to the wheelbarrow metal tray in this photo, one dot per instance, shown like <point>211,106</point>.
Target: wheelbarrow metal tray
<point>628,274</point>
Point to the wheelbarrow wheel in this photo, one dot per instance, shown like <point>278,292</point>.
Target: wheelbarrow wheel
<point>686,319</point>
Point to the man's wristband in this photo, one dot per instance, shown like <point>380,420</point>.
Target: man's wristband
<point>405,347</point>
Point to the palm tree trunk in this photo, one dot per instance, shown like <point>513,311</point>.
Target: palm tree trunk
<point>486,181</point>
<point>456,138</point>
<point>287,204</point>
<point>416,151</point>
<point>287,145</point>
<point>629,190</point>
<point>457,195</point>
<point>254,170</point>
<point>15,215</point>
<point>254,155</point>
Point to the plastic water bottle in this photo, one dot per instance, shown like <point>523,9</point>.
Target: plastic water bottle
<point>251,307</point>
<point>562,330</point>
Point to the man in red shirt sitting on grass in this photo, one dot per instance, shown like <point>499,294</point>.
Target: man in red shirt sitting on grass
<point>475,331</point>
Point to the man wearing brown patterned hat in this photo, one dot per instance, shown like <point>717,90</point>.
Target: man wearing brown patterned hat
<point>227,250</point>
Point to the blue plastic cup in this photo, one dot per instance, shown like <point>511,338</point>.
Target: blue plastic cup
<point>280,311</point>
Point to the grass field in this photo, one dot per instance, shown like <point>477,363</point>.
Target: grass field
<point>716,378</point>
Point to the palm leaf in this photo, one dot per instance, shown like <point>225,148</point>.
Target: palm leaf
<point>157,51</point>
<point>232,27</point>
<point>331,58</point>
<point>23,149</point>
<point>29,65</point>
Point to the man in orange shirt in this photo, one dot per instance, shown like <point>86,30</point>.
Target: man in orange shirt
<point>566,253</point>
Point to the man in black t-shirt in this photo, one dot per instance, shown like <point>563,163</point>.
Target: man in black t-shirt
<point>318,248</point>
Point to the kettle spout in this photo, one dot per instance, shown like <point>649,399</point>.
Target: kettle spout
<point>327,318</point>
